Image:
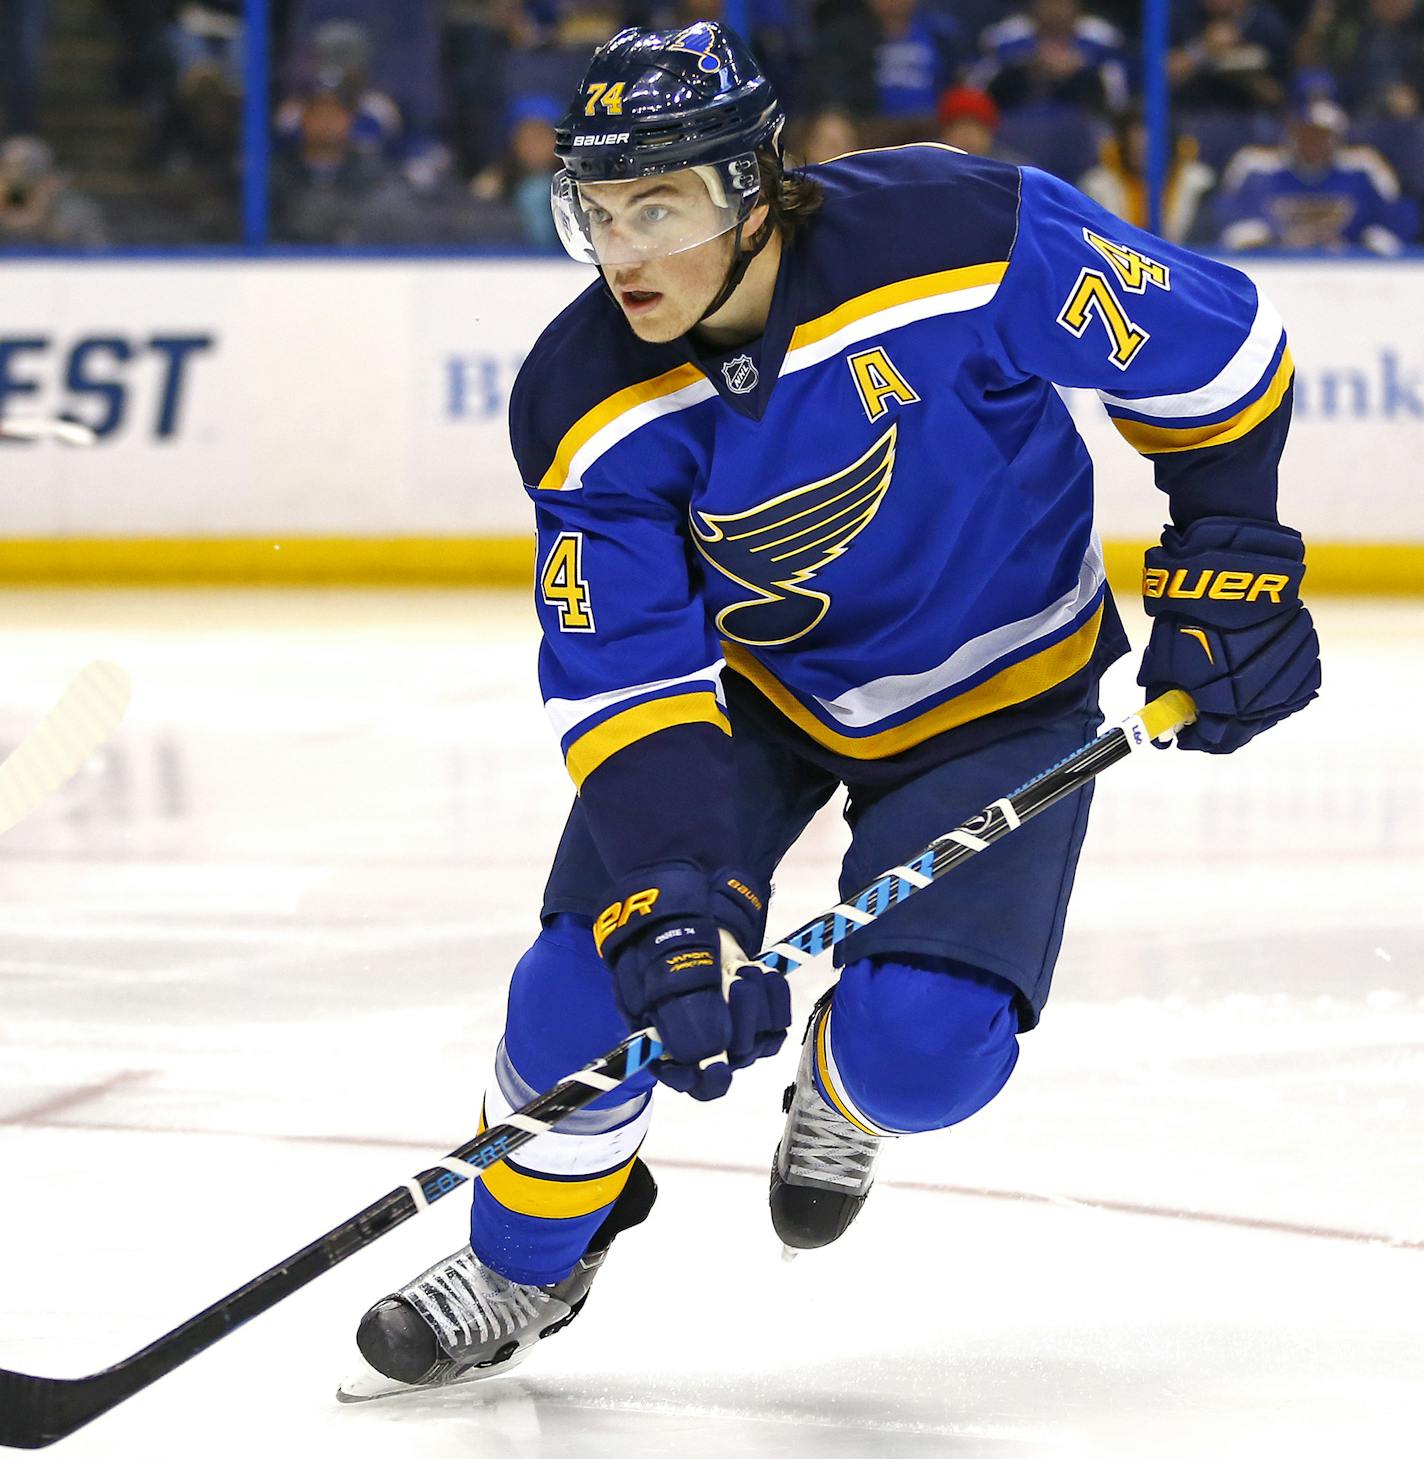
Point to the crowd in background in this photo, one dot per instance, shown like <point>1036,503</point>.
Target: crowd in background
<point>1296,124</point>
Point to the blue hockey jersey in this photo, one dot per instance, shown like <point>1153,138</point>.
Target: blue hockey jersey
<point>879,513</point>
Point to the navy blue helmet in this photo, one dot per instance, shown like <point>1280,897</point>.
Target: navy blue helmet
<point>657,101</point>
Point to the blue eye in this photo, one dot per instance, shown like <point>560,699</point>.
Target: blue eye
<point>655,213</point>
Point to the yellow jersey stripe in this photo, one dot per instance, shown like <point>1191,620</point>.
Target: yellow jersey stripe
<point>1164,440</point>
<point>528,1195</point>
<point>827,1083</point>
<point>606,412</point>
<point>589,751</point>
<point>1013,685</point>
<point>906,291</point>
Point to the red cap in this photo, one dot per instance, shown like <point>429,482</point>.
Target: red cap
<point>968,101</point>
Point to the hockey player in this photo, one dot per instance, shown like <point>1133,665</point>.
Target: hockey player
<point>812,515</point>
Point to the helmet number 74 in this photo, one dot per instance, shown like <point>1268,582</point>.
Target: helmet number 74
<point>601,94</point>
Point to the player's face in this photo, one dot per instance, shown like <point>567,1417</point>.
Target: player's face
<point>662,294</point>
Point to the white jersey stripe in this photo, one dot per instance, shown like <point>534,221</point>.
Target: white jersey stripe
<point>895,317</point>
<point>565,714</point>
<point>625,424</point>
<point>871,703</point>
<point>1239,376</point>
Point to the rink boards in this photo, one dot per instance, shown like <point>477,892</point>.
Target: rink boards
<point>341,418</point>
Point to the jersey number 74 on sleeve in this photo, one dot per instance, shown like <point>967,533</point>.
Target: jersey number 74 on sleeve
<point>1093,293</point>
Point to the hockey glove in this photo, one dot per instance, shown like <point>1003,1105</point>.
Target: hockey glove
<point>670,937</point>
<point>1229,627</point>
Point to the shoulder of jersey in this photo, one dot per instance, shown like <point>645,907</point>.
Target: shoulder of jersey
<point>584,356</point>
<point>907,212</point>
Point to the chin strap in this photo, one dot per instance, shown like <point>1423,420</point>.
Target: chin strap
<point>741,262</point>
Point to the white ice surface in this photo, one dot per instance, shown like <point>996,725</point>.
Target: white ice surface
<point>252,965</point>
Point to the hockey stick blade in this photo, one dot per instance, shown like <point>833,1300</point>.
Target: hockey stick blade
<point>87,713</point>
<point>66,432</point>
<point>35,1412</point>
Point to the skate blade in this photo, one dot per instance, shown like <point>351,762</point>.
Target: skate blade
<point>789,1253</point>
<point>366,1384</point>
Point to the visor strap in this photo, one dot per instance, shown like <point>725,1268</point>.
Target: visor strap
<point>741,262</point>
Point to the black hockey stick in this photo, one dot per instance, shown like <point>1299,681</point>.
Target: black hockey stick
<point>35,1412</point>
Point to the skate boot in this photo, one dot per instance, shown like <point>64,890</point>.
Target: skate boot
<point>460,1320</point>
<point>823,1167</point>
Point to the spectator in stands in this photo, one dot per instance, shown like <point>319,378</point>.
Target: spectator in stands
<point>399,44</point>
<point>479,36</point>
<point>22,29</point>
<point>1379,59</point>
<point>328,188</point>
<point>207,34</point>
<point>830,133</point>
<point>144,65</point>
<point>1119,181</point>
<point>886,62</point>
<point>522,180</point>
<point>200,107</point>
<point>342,49</point>
<point>38,208</point>
<point>1053,57</point>
<point>1314,193</point>
<point>1228,55</point>
<point>432,205</point>
<point>969,120</point>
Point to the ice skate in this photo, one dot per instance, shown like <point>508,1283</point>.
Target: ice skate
<point>460,1321</point>
<point>824,1166</point>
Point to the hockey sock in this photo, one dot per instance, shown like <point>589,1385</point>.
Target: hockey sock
<point>535,1214</point>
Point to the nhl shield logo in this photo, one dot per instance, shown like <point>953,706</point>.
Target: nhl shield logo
<point>740,375</point>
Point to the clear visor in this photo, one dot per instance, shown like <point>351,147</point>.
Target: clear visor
<point>617,224</point>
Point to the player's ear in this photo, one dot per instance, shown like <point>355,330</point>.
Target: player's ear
<point>756,221</point>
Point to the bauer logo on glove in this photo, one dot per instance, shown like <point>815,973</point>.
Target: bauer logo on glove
<point>1229,627</point>
<point>1222,587</point>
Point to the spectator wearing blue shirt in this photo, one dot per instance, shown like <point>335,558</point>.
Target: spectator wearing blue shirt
<point>1053,58</point>
<point>1313,194</point>
<point>886,62</point>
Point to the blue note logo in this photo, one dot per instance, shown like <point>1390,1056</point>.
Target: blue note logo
<point>775,548</point>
